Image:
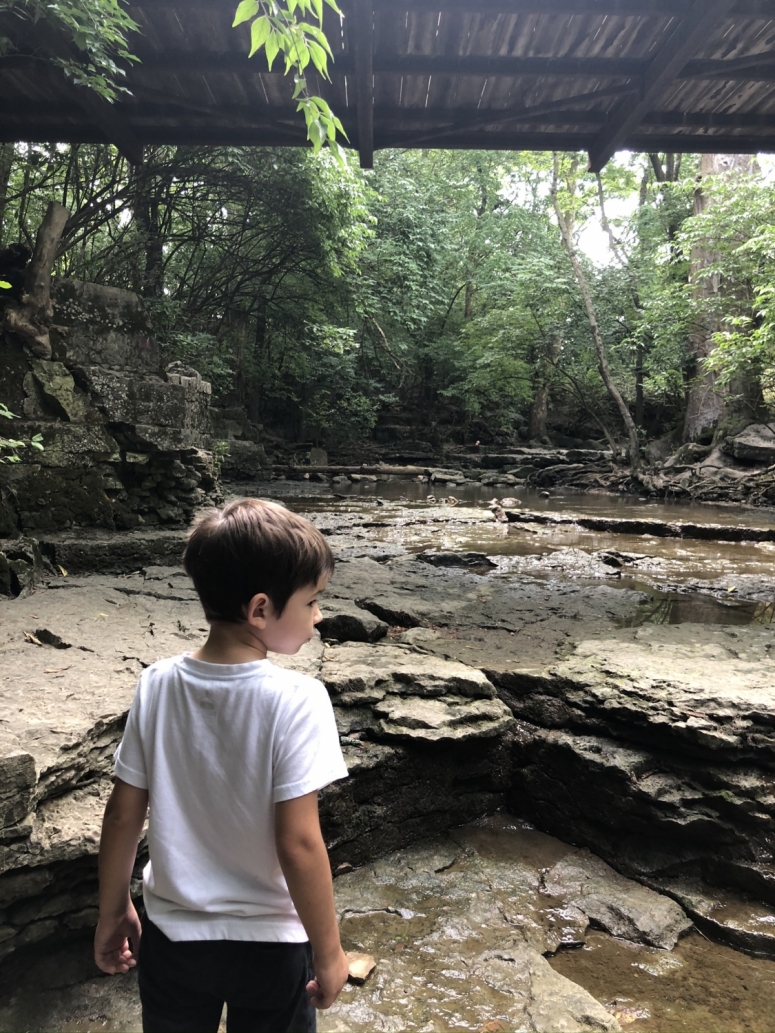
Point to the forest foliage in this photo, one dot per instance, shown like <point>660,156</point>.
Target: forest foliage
<point>431,298</point>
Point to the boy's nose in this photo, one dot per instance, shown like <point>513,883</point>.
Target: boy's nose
<point>317,615</point>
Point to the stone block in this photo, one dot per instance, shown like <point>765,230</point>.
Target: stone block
<point>104,326</point>
<point>148,401</point>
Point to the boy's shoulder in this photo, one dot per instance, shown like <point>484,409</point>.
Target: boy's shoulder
<point>272,675</point>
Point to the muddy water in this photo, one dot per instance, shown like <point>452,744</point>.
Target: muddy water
<point>686,580</point>
<point>426,944</point>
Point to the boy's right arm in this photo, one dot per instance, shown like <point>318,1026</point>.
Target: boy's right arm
<point>304,861</point>
<point>118,930</point>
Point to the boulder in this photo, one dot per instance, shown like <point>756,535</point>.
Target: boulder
<point>343,621</point>
<point>755,444</point>
<point>620,906</point>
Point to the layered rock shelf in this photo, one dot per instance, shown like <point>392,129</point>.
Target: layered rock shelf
<point>456,692</point>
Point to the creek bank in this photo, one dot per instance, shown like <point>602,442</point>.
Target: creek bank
<point>454,691</point>
<point>739,470</point>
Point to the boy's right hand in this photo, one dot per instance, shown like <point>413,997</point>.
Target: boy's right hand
<point>330,977</point>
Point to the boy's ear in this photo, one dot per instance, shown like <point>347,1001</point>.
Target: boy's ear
<point>257,610</point>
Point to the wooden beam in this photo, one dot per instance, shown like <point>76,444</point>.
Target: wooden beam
<point>752,68</point>
<point>688,35</point>
<point>104,114</point>
<point>764,9</point>
<point>679,143</point>
<point>284,121</point>
<point>363,52</point>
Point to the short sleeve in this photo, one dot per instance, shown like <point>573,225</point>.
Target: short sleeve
<point>307,754</point>
<point>129,758</point>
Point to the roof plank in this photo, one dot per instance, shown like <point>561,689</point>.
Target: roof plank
<point>682,44</point>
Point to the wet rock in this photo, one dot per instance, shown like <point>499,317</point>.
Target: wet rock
<point>469,560</point>
<point>361,967</point>
<point>743,923</point>
<point>618,905</point>
<point>453,919</point>
<point>547,1000</point>
<point>343,621</point>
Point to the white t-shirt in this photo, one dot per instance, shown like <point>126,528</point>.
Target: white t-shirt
<point>216,746</point>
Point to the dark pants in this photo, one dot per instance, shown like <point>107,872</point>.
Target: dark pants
<point>184,985</point>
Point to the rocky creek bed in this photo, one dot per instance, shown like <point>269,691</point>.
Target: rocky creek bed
<point>475,664</point>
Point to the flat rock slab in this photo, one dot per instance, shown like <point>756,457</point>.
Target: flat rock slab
<point>620,906</point>
<point>705,690</point>
<point>395,692</point>
<point>459,926</point>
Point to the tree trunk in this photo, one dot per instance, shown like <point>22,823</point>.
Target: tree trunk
<point>6,162</point>
<point>149,273</point>
<point>707,404</point>
<point>30,320</point>
<point>602,359</point>
<point>539,410</point>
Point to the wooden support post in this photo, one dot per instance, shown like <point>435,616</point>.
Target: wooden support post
<point>363,46</point>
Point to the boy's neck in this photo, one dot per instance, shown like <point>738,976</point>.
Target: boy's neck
<point>230,644</point>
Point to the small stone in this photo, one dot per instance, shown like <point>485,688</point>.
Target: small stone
<point>361,966</point>
<point>345,866</point>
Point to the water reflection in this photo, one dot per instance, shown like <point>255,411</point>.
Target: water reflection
<point>694,608</point>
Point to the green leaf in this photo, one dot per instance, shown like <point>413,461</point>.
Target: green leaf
<point>272,48</point>
<point>5,285</point>
<point>318,7</point>
<point>247,9</point>
<point>299,88</point>
<point>259,32</point>
<point>319,58</point>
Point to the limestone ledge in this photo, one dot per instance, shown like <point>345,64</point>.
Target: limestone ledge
<point>702,691</point>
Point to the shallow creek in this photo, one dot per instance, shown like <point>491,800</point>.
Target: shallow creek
<point>684,580</point>
<point>438,918</point>
<point>435,916</point>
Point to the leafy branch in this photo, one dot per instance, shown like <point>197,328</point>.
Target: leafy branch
<point>97,28</point>
<point>288,27</point>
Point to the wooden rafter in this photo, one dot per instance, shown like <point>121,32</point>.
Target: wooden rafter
<point>688,35</point>
<point>605,8</point>
<point>363,55</point>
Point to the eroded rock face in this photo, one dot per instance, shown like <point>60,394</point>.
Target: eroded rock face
<point>654,747</point>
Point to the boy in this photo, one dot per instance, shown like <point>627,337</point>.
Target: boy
<point>230,751</point>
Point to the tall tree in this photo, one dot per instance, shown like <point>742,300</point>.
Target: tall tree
<point>708,401</point>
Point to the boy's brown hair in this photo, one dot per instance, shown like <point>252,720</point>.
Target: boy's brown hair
<point>252,546</point>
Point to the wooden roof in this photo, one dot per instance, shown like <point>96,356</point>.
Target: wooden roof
<point>594,75</point>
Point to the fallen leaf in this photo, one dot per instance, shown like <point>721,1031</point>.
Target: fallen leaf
<point>28,637</point>
<point>62,570</point>
<point>102,614</point>
<point>56,670</point>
